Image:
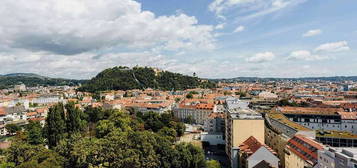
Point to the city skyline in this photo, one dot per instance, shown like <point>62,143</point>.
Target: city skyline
<point>213,38</point>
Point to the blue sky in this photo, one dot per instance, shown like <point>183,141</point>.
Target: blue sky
<point>214,38</point>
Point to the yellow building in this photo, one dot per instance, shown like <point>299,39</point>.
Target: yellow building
<point>240,125</point>
<point>277,142</point>
<point>301,152</point>
<point>279,130</point>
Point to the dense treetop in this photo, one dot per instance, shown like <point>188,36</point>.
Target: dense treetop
<point>124,78</point>
<point>98,138</point>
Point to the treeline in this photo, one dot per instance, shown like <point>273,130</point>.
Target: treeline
<point>124,78</point>
<point>102,138</point>
<point>10,81</point>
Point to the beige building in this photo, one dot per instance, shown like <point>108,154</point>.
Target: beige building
<point>301,152</point>
<point>277,142</point>
<point>240,125</point>
<point>279,130</point>
<point>198,112</point>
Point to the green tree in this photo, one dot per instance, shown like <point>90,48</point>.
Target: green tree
<point>213,164</point>
<point>189,156</point>
<point>189,120</point>
<point>25,155</point>
<point>104,127</point>
<point>177,99</point>
<point>74,120</point>
<point>34,131</point>
<point>189,96</point>
<point>180,128</point>
<point>66,147</point>
<point>227,93</point>
<point>12,128</point>
<point>241,94</point>
<point>55,127</point>
<point>7,165</point>
<point>153,121</point>
<point>170,132</point>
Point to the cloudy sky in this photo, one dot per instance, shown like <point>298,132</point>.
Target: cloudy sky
<point>214,38</point>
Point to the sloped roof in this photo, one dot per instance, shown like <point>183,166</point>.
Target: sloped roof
<point>251,145</point>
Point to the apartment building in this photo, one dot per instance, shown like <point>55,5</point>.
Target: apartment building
<point>198,112</point>
<point>301,152</point>
<point>12,115</point>
<point>252,152</point>
<point>322,118</point>
<point>279,130</point>
<point>330,157</point>
<point>337,138</point>
<point>240,125</point>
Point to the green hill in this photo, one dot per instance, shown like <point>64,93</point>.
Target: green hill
<point>124,78</point>
<point>30,80</point>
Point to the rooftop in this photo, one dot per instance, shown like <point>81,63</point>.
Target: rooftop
<point>310,110</point>
<point>238,113</point>
<point>251,145</point>
<point>335,134</point>
<point>348,115</point>
<point>282,119</point>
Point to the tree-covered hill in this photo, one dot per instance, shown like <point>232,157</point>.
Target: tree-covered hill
<point>9,80</point>
<point>124,78</point>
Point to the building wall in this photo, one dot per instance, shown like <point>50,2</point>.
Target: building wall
<point>349,126</point>
<point>262,154</point>
<point>325,159</point>
<point>293,161</point>
<point>239,130</point>
<point>243,129</point>
<point>319,122</point>
<point>341,161</point>
<point>213,139</point>
<point>199,115</point>
<point>277,142</point>
<point>214,125</point>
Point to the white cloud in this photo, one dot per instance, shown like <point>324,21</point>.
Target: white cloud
<point>250,8</point>
<point>305,55</point>
<point>333,47</point>
<point>220,26</point>
<point>261,57</point>
<point>239,29</point>
<point>312,33</point>
<point>75,26</point>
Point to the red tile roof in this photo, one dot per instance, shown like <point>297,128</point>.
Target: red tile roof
<point>304,147</point>
<point>2,111</point>
<point>251,145</point>
<point>348,115</point>
<point>37,119</point>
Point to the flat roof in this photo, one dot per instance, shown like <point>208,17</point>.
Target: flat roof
<point>239,113</point>
<point>310,110</point>
<point>335,134</point>
<point>282,119</point>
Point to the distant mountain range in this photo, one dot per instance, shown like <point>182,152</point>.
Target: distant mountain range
<point>31,79</point>
<point>140,77</point>
<point>257,79</point>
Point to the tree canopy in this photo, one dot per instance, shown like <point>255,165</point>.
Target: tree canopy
<point>124,78</point>
<point>121,140</point>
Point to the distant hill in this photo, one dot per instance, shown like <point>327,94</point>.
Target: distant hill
<point>257,79</point>
<point>30,79</point>
<point>124,78</point>
<point>24,75</point>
